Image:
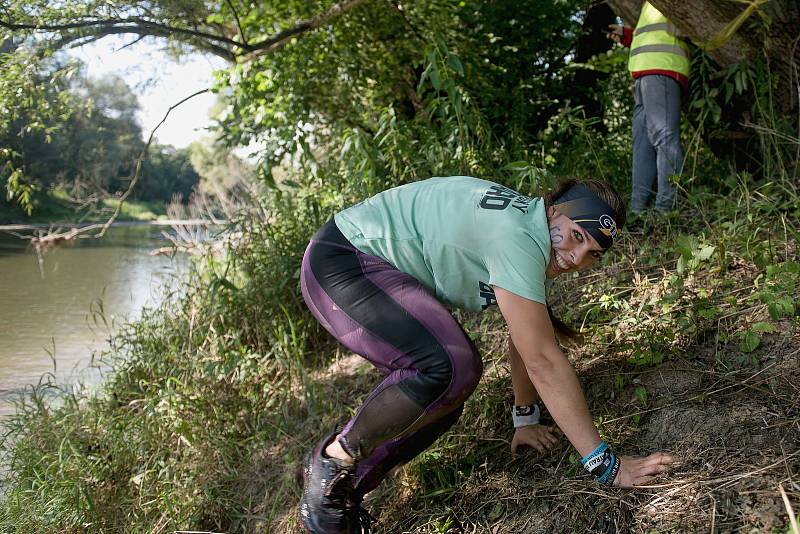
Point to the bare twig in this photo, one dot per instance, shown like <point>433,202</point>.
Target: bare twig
<point>773,132</point>
<point>123,47</point>
<point>140,161</point>
<point>238,22</point>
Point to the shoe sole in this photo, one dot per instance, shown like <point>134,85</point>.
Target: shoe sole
<point>306,468</point>
<point>306,472</point>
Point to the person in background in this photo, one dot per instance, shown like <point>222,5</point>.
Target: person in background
<point>659,63</point>
<point>378,277</point>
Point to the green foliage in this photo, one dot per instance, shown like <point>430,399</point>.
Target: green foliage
<point>750,339</point>
<point>167,172</point>
<point>695,294</point>
<point>779,289</point>
<point>732,113</point>
<point>220,170</point>
<point>471,107</point>
<point>641,395</point>
<point>34,102</point>
<point>693,252</point>
<point>776,289</point>
<point>212,400</point>
<point>712,90</point>
<point>89,151</point>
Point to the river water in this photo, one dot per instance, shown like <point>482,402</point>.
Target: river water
<point>51,305</point>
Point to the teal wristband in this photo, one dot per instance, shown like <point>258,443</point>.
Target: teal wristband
<point>602,463</point>
<point>595,453</point>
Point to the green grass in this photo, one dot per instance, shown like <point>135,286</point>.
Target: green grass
<point>138,210</point>
<point>215,397</point>
<point>54,206</point>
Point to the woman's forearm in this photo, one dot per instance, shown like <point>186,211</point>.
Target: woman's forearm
<point>549,370</point>
<point>524,392</point>
<point>557,384</point>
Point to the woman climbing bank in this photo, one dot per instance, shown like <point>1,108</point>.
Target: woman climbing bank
<point>378,277</point>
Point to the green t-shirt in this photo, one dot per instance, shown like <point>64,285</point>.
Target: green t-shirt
<point>458,236</point>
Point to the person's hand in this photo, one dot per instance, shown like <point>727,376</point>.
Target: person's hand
<point>638,471</point>
<point>540,437</point>
<point>616,33</point>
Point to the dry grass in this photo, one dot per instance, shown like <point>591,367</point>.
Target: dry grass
<point>732,418</point>
<point>735,432</point>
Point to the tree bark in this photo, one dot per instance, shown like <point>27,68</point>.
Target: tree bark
<point>627,9</point>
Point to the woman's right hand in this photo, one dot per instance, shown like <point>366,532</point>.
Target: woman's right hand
<point>638,471</point>
<point>540,437</point>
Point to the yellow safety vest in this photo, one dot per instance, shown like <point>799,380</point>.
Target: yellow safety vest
<point>656,45</point>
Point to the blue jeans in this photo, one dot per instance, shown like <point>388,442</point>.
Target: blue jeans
<point>657,152</point>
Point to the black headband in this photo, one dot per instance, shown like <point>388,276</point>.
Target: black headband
<point>586,208</point>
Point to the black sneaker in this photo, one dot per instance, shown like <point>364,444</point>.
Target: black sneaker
<point>360,520</point>
<point>326,507</point>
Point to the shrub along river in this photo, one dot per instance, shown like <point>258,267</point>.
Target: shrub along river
<point>51,304</point>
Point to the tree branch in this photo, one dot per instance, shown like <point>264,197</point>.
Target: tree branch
<point>137,26</point>
<point>140,162</point>
<point>90,37</point>
<point>218,45</point>
<point>399,10</point>
<point>278,41</point>
<point>238,23</point>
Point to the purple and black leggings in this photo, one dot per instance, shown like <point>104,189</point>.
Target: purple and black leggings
<point>429,363</point>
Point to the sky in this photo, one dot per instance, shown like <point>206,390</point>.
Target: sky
<point>159,82</point>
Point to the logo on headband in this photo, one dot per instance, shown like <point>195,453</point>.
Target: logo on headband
<point>608,226</point>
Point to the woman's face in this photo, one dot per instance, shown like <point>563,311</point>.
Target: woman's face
<point>572,247</point>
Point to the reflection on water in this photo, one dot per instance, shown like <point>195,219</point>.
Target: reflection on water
<point>48,320</point>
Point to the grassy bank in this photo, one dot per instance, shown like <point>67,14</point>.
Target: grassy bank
<point>55,207</point>
<point>691,347</point>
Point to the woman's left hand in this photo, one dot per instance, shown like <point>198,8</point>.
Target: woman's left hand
<point>638,471</point>
<point>540,437</point>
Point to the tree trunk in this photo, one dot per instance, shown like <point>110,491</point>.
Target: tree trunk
<point>701,20</point>
<point>627,9</point>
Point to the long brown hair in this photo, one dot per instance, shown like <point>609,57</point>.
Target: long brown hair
<point>609,195</point>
